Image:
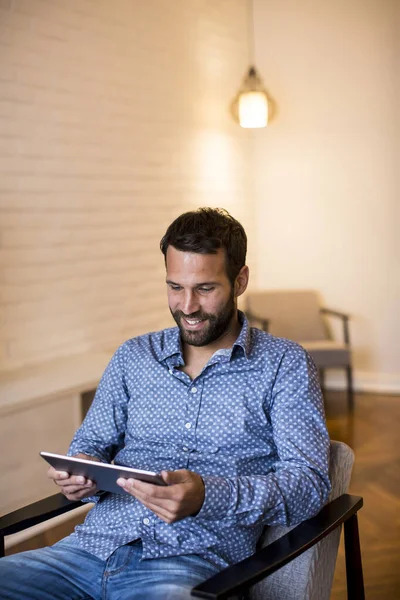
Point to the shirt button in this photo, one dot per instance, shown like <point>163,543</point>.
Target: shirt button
<point>188,425</point>
<point>193,390</point>
<point>185,449</point>
<point>170,372</point>
<point>146,521</point>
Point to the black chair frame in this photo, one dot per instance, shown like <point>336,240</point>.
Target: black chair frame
<point>237,578</point>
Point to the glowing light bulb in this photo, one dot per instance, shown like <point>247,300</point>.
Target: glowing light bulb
<point>253,109</point>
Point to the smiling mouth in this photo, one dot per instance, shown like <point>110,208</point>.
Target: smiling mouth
<point>193,322</point>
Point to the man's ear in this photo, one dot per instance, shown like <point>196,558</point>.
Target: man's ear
<point>241,281</point>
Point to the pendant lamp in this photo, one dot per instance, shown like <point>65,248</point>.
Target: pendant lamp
<point>250,107</point>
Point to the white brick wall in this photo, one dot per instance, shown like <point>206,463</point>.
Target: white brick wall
<point>114,119</point>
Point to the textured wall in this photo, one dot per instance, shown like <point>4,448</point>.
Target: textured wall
<point>114,118</point>
<point>328,172</point>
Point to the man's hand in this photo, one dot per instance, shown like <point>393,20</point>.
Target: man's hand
<point>74,487</point>
<point>183,497</point>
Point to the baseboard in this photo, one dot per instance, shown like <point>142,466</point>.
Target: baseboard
<point>383,383</point>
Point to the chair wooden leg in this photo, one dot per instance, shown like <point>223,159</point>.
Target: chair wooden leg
<point>354,572</point>
<point>350,388</point>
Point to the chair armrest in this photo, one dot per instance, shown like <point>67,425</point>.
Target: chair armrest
<point>335,313</point>
<point>263,321</point>
<point>33,514</point>
<point>237,578</point>
<point>345,318</point>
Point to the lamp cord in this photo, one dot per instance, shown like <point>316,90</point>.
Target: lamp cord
<point>250,28</point>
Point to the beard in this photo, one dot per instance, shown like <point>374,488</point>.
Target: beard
<point>217,325</point>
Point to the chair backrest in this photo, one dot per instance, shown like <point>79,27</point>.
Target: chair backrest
<point>309,576</point>
<point>292,314</point>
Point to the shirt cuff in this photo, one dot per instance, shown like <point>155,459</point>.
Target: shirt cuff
<point>217,498</point>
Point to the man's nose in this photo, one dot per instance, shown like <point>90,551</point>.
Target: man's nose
<point>190,303</point>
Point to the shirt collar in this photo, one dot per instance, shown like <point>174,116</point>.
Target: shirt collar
<point>172,345</point>
<point>244,337</point>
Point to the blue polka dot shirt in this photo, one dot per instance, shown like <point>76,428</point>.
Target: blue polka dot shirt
<point>251,424</point>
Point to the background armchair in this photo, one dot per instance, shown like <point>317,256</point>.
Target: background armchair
<point>297,315</point>
<point>291,563</point>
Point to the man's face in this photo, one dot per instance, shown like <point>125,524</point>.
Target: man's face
<point>200,295</point>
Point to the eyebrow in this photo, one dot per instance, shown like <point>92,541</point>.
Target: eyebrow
<point>196,285</point>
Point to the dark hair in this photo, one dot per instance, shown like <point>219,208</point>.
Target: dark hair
<point>204,231</point>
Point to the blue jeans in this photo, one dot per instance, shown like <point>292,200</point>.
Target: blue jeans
<point>66,572</point>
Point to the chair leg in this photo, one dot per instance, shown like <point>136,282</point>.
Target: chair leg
<point>354,572</point>
<point>350,388</point>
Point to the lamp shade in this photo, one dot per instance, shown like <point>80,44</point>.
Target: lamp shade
<point>250,106</point>
<point>253,109</point>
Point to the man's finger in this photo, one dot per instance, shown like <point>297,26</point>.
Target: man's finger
<point>75,480</point>
<point>53,474</point>
<point>156,503</point>
<point>142,487</point>
<point>164,515</point>
<point>145,493</point>
<point>165,512</point>
<point>71,489</point>
<point>175,477</point>
<point>64,478</point>
<point>168,504</point>
<point>78,495</point>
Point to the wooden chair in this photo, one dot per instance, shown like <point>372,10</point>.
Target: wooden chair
<point>298,316</point>
<point>291,563</point>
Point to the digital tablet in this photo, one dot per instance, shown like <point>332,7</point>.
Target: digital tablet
<point>104,474</point>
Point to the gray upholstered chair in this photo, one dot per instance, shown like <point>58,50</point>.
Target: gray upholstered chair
<point>291,564</point>
<point>299,563</point>
<point>298,315</point>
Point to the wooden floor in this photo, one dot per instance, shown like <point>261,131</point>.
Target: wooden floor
<point>372,432</point>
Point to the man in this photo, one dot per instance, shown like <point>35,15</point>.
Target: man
<point>232,418</point>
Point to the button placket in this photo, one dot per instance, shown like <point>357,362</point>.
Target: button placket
<point>147,527</point>
<point>192,411</point>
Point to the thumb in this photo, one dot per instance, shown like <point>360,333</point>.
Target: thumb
<point>173,477</point>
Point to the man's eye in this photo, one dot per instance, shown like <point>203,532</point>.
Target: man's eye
<point>206,289</point>
<point>176,288</point>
